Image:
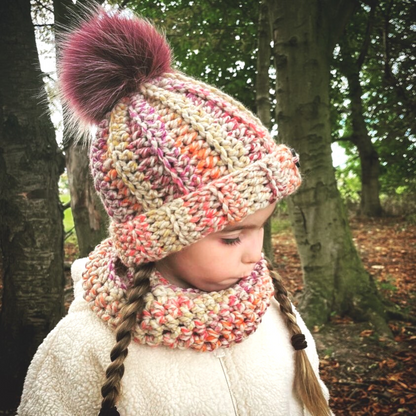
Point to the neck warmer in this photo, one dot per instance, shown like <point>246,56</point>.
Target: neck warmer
<point>176,317</point>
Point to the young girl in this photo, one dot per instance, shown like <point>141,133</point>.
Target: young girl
<point>177,312</point>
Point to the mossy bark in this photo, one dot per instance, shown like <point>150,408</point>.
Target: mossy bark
<point>31,229</point>
<point>90,218</point>
<point>304,34</point>
<point>350,67</point>
<point>370,205</point>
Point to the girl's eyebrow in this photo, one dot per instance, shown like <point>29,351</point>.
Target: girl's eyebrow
<point>239,227</point>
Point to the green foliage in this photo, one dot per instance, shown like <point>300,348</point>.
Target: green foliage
<point>349,184</point>
<point>68,220</point>
<point>211,40</point>
<point>388,78</point>
<point>411,219</point>
<point>70,235</point>
<point>280,219</point>
<point>387,285</point>
<point>328,352</point>
<point>280,224</point>
<point>401,203</point>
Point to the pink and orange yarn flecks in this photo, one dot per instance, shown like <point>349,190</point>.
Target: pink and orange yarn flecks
<point>179,160</point>
<point>175,317</point>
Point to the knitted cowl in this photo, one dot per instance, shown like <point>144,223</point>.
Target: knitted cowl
<point>176,317</point>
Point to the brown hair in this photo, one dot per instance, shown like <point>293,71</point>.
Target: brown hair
<point>134,306</point>
<point>306,383</point>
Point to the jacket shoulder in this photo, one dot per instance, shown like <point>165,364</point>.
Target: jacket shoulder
<point>68,370</point>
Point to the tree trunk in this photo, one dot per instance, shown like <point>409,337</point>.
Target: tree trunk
<point>263,99</point>
<point>31,230</point>
<point>304,33</point>
<point>90,218</point>
<point>370,166</point>
<point>350,67</point>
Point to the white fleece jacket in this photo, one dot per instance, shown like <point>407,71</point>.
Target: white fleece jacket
<point>252,378</point>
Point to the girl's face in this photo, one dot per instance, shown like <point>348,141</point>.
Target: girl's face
<point>220,259</point>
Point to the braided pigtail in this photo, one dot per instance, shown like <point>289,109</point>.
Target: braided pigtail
<point>115,371</point>
<point>306,383</point>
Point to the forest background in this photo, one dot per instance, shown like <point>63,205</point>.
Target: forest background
<point>316,72</point>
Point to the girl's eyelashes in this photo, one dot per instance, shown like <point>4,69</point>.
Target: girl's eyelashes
<point>231,241</point>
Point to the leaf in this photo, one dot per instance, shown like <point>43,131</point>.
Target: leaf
<point>367,333</point>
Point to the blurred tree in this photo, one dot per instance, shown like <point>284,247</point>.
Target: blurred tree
<point>31,230</point>
<point>386,91</point>
<point>391,94</point>
<point>305,33</point>
<point>90,218</point>
<point>353,52</point>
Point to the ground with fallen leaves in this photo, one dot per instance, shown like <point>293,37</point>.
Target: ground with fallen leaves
<point>367,374</point>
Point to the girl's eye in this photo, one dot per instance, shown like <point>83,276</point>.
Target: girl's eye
<point>231,241</point>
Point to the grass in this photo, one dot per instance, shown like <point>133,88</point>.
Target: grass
<point>280,224</point>
<point>68,221</point>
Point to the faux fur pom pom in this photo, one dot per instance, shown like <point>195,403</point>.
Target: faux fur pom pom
<point>106,58</point>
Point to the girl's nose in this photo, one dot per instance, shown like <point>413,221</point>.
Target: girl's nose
<point>252,257</point>
<point>252,252</point>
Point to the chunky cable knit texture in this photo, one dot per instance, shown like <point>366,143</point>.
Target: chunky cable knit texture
<point>180,160</point>
<point>174,159</point>
<point>177,317</point>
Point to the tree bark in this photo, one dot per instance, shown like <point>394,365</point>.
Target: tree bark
<point>350,67</point>
<point>305,33</point>
<point>90,218</point>
<point>263,104</point>
<point>370,205</point>
<point>31,230</point>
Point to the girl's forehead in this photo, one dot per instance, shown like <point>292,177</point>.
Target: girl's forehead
<point>257,219</point>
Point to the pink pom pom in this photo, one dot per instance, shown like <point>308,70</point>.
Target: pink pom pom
<point>107,58</point>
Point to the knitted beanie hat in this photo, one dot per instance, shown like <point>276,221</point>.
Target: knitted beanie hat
<point>173,159</point>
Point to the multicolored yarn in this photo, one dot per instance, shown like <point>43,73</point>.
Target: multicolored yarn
<point>174,159</point>
<point>175,317</point>
<point>179,160</point>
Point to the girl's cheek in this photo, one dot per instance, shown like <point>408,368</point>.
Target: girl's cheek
<point>257,239</point>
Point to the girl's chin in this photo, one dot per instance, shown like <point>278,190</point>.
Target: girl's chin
<point>220,286</point>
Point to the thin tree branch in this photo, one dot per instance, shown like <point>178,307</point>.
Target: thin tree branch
<point>367,38</point>
<point>386,25</point>
<point>341,11</point>
<point>349,138</point>
<point>342,139</point>
<point>45,25</point>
